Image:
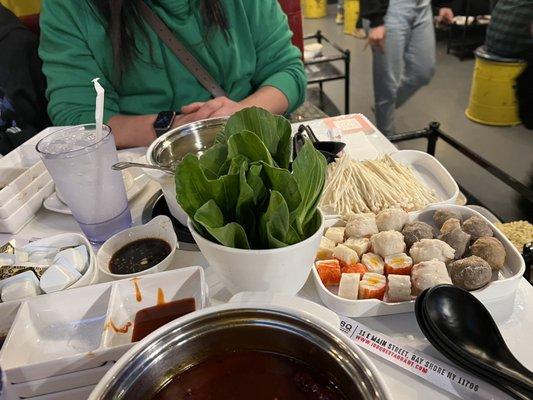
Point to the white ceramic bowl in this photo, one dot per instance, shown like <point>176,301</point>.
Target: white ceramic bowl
<point>282,270</point>
<point>90,276</point>
<point>160,228</point>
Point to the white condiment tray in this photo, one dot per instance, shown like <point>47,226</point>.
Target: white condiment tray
<point>504,282</point>
<point>64,385</point>
<point>22,196</point>
<point>69,332</point>
<point>16,179</point>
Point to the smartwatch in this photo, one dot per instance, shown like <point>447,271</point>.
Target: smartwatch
<point>163,122</point>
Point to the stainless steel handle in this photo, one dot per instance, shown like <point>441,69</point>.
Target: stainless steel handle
<point>126,164</point>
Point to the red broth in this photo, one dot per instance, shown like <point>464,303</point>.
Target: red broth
<point>149,319</point>
<point>247,375</point>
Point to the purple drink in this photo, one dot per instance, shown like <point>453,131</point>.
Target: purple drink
<point>80,166</point>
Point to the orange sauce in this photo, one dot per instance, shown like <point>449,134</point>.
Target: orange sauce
<point>118,329</point>
<point>138,294</point>
<point>160,296</point>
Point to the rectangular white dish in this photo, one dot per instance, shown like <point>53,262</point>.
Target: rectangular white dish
<point>81,393</point>
<point>20,198</point>
<point>25,212</point>
<point>59,383</point>
<point>16,179</point>
<point>429,171</point>
<point>66,332</point>
<point>503,285</point>
<point>7,176</point>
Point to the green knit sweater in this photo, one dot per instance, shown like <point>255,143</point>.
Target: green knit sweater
<point>75,49</point>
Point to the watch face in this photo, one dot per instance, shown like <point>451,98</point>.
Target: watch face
<point>164,119</point>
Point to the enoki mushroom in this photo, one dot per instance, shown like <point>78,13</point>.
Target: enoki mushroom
<point>371,186</point>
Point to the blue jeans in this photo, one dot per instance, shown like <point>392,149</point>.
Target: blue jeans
<point>408,61</point>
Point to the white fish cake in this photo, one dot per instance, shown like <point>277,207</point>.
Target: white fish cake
<point>335,233</point>
<point>387,243</point>
<point>391,219</point>
<point>373,263</point>
<point>325,250</point>
<point>345,255</point>
<point>360,245</point>
<point>398,288</point>
<point>429,249</point>
<point>361,225</point>
<point>349,286</point>
<point>428,274</point>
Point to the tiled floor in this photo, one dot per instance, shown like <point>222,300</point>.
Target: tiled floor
<point>444,100</point>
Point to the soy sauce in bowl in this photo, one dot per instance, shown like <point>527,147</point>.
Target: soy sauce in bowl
<point>138,256</point>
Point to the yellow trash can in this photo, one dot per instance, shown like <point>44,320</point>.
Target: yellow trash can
<point>315,8</point>
<point>351,15</point>
<point>492,95</point>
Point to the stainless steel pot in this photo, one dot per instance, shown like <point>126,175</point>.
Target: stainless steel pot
<point>213,331</point>
<point>168,150</point>
<point>194,138</point>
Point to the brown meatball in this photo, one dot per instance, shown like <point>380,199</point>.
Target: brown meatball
<point>457,239</point>
<point>416,231</point>
<point>470,273</point>
<point>442,215</point>
<point>450,225</point>
<point>491,250</point>
<point>477,227</point>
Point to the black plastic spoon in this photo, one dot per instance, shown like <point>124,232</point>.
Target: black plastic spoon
<point>465,327</point>
<point>298,141</point>
<point>460,362</point>
<point>324,146</point>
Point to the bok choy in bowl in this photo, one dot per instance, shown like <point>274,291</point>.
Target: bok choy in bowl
<point>254,214</point>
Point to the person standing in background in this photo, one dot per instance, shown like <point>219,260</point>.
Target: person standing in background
<point>359,31</point>
<point>402,37</point>
<point>339,18</point>
<point>509,33</point>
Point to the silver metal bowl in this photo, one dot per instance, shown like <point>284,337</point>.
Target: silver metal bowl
<point>149,365</point>
<point>193,138</point>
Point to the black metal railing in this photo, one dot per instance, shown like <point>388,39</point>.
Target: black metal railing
<point>433,133</point>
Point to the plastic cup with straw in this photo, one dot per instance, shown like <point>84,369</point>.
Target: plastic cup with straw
<point>79,159</point>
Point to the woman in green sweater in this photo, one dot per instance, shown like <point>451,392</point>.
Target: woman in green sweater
<point>244,44</point>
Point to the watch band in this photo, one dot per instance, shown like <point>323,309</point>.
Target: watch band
<point>159,130</point>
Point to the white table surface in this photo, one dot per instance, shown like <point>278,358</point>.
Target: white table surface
<point>514,314</point>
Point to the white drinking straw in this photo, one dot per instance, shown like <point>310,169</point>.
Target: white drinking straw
<point>99,110</point>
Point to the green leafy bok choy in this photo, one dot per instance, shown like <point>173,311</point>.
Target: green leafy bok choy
<point>241,193</point>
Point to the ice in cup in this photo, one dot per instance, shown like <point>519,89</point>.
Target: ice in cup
<point>80,165</point>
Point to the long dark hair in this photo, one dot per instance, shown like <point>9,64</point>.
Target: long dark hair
<point>124,21</point>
